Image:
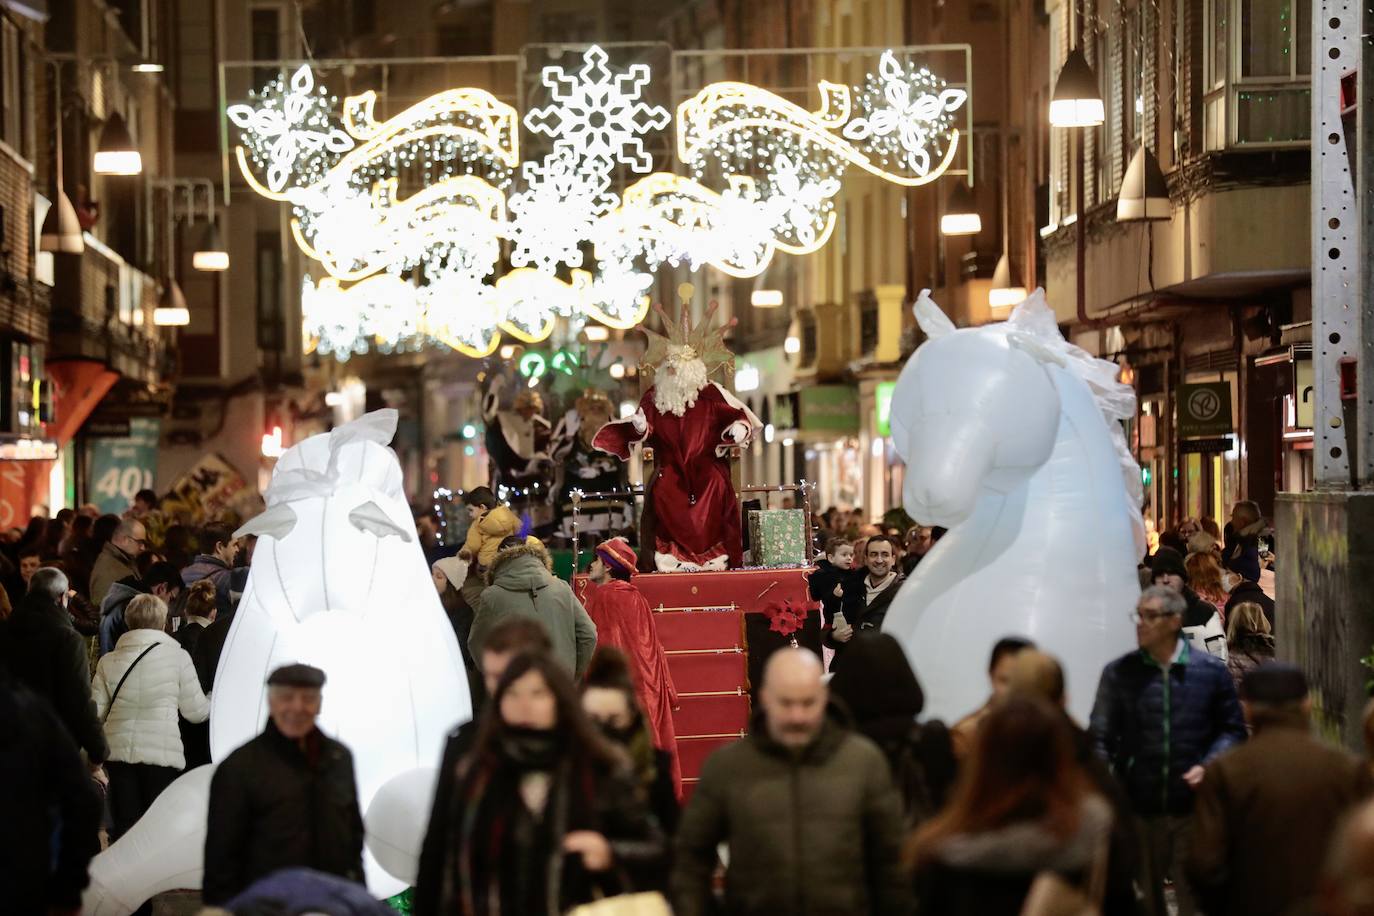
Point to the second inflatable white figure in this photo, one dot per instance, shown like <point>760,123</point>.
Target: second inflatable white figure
<point>338,581</point>
<point>1011,440</point>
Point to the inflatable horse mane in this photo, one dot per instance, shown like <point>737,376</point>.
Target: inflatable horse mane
<point>1012,441</point>
<point>338,581</point>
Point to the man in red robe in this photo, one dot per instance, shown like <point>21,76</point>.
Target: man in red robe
<point>623,619</point>
<point>691,517</point>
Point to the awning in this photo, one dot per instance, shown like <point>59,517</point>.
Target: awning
<point>79,386</point>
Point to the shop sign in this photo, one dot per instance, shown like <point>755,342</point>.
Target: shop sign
<point>1304,394</point>
<point>830,409</point>
<point>1204,409</point>
<point>1206,446</point>
<point>209,488</point>
<point>120,467</point>
<point>882,407</point>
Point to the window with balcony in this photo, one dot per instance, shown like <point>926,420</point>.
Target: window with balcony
<point>12,89</point>
<point>1259,65</point>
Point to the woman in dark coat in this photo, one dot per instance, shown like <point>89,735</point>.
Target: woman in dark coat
<point>876,685</point>
<point>544,816</point>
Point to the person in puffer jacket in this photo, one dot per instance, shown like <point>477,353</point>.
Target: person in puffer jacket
<point>1163,712</point>
<point>141,718</point>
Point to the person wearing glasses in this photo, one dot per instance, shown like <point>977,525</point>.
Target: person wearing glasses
<point>119,559</point>
<point>1163,712</point>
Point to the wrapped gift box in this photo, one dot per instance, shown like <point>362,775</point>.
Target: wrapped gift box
<point>778,537</point>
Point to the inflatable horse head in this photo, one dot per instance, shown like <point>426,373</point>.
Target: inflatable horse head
<point>1012,440</point>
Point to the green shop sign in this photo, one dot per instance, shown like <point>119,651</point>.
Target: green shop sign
<point>1204,409</point>
<point>829,409</point>
<point>882,406</point>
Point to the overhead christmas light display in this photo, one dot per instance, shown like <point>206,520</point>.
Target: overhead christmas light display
<point>414,219</point>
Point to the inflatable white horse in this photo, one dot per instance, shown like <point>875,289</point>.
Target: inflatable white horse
<point>1011,440</point>
<point>338,581</point>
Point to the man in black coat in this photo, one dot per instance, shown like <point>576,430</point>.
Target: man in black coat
<point>48,804</point>
<point>287,798</point>
<point>869,591</point>
<point>45,653</point>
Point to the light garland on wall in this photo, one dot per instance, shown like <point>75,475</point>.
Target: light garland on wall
<point>409,218</point>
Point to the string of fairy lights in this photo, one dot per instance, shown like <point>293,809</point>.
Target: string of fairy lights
<point>430,227</point>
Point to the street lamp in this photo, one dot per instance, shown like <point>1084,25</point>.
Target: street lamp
<point>171,308</point>
<point>1076,101</point>
<point>61,230</point>
<point>210,254</point>
<point>1006,290</point>
<point>961,214</point>
<point>117,154</point>
<point>1144,193</point>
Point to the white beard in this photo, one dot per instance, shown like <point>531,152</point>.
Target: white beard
<point>676,393</point>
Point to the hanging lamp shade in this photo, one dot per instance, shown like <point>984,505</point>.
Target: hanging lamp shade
<point>961,213</point>
<point>171,308</point>
<point>117,154</point>
<point>1006,290</point>
<point>210,254</point>
<point>1144,194</point>
<point>1077,102</point>
<point>61,229</point>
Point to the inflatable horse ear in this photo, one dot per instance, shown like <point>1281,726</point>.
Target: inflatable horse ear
<point>933,322</point>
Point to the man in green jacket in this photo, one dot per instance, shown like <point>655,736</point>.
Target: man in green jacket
<point>808,808</point>
<point>522,586</point>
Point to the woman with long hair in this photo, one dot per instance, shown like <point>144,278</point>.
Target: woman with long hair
<point>1249,640</point>
<point>544,816</point>
<point>1023,806</point>
<point>1204,577</point>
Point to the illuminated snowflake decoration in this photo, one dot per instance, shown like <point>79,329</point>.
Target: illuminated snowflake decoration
<point>293,132</point>
<point>408,217</point>
<point>597,115</point>
<point>905,122</point>
<point>557,211</point>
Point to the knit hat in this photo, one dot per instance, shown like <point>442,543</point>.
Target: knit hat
<point>1168,560</point>
<point>454,570</point>
<point>618,555</point>
<point>1274,683</point>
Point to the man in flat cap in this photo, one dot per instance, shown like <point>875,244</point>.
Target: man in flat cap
<point>287,798</point>
<point>1267,810</point>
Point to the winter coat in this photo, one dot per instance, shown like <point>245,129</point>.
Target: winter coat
<point>874,681</point>
<point>522,586</point>
<point>861,613</point>
<point>434,851</point>
<point>1240,552</point>
<point>303,890</point>
<point>141,726</point>
<point>112,625</point>
<point>816,832</point>
<point>504,861</point>
<point>51,808</point>
<point>206,566</point>
<point>990,873</point>
<point>1264,819</point>
<point>485,536</point>
<point>209,646</point>
<point>1247,653</point>
<point>113,565</point>
<point>275,805</point>
<point>1152,725</point>
<point>821,586</point>
<point>46,653</point>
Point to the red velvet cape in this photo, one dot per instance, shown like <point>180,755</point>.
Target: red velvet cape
<point>623,619</point>
<point>696,517</point>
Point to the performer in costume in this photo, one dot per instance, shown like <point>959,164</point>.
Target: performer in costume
<point>581,466</point>
<point>691,518</point>
<point>623,619</point>
<point>518,442</point>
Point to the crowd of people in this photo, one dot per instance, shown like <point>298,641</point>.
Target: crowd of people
<point>1197,785</point>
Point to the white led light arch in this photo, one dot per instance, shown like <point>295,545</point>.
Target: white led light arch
<point>492,244</point>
